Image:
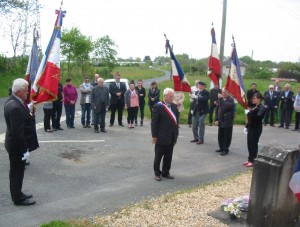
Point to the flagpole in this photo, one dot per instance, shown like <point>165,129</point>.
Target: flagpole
<point>223,35</point>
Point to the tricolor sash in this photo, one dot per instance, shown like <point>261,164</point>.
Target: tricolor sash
<point>169,112</point>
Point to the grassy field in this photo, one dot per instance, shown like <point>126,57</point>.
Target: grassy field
<point>131,73</point>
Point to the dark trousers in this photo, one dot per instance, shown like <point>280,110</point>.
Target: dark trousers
<point>297,117</point>
<point>86,111</point>
<point>165,151</point>
<point>151,110</point>
<point>16,176</point>
<point>271,112</point>
<point>70,114</point>
<point>286,117</point>
<point>100,117</point>
<point>56,113</point>
<point>224,138</point>
<point>132,112</point>
<point>211,113</point>
<point>252,142</point>
<point>113,107</point>
<point>190,116</point>
<point>142,111</point>
<point>47,117</point>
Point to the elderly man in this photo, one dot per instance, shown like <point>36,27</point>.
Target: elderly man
<point>164,129</point>
<point>271,105</point>
<point>201,98</point>
<point>20,139</point>
<point>224,119</point>
<point>99,102</point>
<point>286,106</point>
<point>96,77</point>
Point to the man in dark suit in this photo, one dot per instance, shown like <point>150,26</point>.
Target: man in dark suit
<point>271,105</point>
<point>117,91</point>
<point>224,119</point>
<point>200,110</point>
<point>250,94</point>
<point>99,102</point>
<point>20,139</point>
<point>164,129</point>
<point>286,106</point>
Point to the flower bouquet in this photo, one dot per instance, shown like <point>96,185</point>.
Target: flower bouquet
<point>232,208</point>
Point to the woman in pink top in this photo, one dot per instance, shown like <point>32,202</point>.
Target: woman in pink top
<point>131,103</point>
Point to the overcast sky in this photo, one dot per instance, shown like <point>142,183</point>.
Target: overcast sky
<point>271,28</point>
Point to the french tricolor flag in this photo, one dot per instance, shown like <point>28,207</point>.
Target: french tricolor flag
<point>45,87</point>
<point>235,83</point>
<point>295,181</point>
<point>180,81</point>
<point>214,66</point>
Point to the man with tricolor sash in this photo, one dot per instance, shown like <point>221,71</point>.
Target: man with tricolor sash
<point>164,129</point>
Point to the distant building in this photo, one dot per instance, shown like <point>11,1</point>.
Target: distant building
<point>227,64</point>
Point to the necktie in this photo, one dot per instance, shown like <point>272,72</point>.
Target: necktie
<point>271,94</point>
<point>26,107</point>
<point>118,85</point>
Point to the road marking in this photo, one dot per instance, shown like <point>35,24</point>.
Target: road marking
<point>39,126</point>
<point>71,141</point>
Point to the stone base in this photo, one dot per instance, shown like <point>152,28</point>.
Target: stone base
<point>224,217</point>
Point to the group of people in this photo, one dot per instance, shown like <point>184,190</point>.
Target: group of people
<point>261,107</point>
<point>21,137</point>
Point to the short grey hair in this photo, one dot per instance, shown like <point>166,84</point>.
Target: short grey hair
<point>19,85</point>
<point>168,90</point>
<point>100,79</point>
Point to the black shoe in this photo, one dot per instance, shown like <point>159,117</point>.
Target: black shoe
<point>286,127</point>
<point>210,124</point>
<point>280,126</point>
<point>111,125</point>
<point>55,129</point>
<point>219,150</point>
<point>24,196</point>
<point>103,130</point>
<point>25,202</point>
<point>121,125</point>
<point>72,126</point>
<point>157,178</point>
<point>194,141</point>
<point>224,153</point>
<point>168,176</point>
<point>59,128</point>
<point>96,131</point>
<point>141,123</point>
<point>88,126</point>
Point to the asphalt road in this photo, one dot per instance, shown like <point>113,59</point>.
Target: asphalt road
<point>78,173</point>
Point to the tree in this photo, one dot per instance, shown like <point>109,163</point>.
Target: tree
<point>75,47</point>
<point>8,5</point>
<point>147,58</point>
<point>105,53</point>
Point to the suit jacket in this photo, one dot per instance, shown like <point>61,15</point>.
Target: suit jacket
<point>20,132</point>
<point>162,125</point>
<point>97,99</point>
<point>153,94</point>
<point>213,95</point>
<point>113,90</point>
<point>225,112</point>
<point>201,103</point>
<point>271,102</point>
<point>287,102</point>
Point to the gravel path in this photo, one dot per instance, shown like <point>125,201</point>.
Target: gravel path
<point>184,208</point>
